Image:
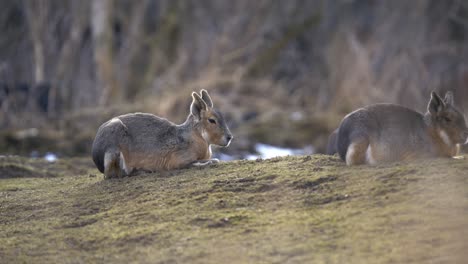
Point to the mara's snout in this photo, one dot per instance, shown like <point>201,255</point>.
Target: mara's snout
<point>387,132</point>
<point>227,140</point>
<point>463,138</point>
<point>219,138</point>
<point>142,141</point>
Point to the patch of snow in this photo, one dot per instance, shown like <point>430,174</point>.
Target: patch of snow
<point>50,157</point>
<point>268,151</point>
<point>222,156</point>
<point>297,116</point>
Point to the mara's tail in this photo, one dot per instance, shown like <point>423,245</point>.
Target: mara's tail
<point>98,152</point>
<point>331,146</point>
<point>342,139</point>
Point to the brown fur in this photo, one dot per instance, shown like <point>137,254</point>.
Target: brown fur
<point>441,148</point>
<point>386,133</point>
<point>357,152</point>
<point>146,142</point>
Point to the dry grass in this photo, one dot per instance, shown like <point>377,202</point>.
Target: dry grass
<point>310,209</point>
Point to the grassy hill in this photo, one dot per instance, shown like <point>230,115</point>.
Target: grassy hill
<point>305,209</point>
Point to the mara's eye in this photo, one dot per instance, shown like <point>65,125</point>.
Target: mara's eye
<point>211,120</point>
<point>447,119</point>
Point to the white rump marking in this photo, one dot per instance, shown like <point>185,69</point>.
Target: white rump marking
<point>369,159</point>
<point>114,120</point>
<point>117,120</point>
<point>445,137</point>
<point>350,153</point>
<point>107,160</point>
<point>123,164</point>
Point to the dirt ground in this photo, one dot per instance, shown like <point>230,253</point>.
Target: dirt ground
<point>303,209</point>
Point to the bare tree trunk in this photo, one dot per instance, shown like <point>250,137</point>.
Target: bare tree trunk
<point>37,15</point>
<point>66,60</point>
<point>130,50</point>
<point>37,12</point>
<point>163,43</point>
<point>101,18</point>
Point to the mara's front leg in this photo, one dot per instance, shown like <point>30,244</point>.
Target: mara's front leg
<point>203,163</point>
<point>184,159</point>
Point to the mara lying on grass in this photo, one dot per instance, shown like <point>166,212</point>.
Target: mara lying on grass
<point>141,141</point>
<point>387,132</point>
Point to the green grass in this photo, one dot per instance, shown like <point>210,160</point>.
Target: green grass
<point>309,209</point>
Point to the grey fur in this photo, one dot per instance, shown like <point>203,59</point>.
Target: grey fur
<point>391,133</point>
<point>154,143</point>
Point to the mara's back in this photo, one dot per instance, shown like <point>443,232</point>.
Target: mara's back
<point>150,133</point>
<point>394,124</point>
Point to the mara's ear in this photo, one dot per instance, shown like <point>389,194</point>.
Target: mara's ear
<point>436,104</point>
<point>448,100</point>
<point>197,106</point>
<point>206,97</point>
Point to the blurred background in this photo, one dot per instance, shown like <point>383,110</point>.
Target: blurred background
<point>283,72</point>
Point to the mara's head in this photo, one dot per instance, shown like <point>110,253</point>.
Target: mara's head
<point>211,122</point>
<point>448,121</point>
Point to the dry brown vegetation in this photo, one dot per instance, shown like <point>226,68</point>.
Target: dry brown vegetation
<point>66,66</point>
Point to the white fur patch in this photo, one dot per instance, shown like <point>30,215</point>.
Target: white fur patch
<point>204,163</point>
<point>369,159</point>
<point>115,120</point>
<point>123,164</point>
<point>228,143</point>
<point>350,152</point>
<point>200,164</point>
<point>445,138</point>
<point>107,160</point>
